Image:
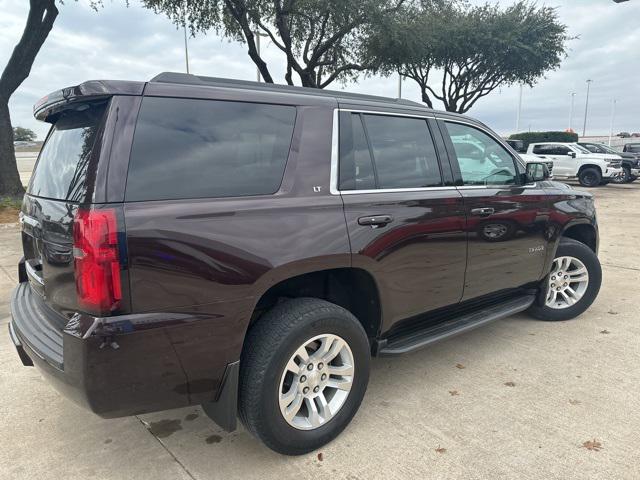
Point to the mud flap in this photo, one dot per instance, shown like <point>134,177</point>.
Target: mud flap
<point>225,409</point>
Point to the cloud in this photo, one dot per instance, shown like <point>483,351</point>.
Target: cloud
<point>135,44</point>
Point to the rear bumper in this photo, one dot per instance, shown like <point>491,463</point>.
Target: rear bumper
<point>117,375</point>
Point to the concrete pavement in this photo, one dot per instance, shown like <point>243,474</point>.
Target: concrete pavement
<point>516,399</point>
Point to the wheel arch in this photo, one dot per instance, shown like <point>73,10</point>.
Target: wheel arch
<point>354,289</point>
<point>584,233</point>
<point>589,165</point>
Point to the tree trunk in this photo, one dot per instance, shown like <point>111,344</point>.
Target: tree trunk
<point>42,14</point>
<point>10,184</point>
<point>426,98</point>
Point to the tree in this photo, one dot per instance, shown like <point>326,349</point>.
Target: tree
<point>21,134</point>
<point>42,15</point>
<point>476,49</point>
<point>322,40</point>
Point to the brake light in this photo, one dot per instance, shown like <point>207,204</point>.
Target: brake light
<point>96,263</point>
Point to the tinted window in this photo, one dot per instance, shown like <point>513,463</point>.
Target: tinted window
<point>186,148</point>
<point>61,171</point>
<point>635,148</point>
<point>482,160</point>
<point>551,150</point>
<point>403,152</point>
<point>356,168</point>
<point>543,149</point>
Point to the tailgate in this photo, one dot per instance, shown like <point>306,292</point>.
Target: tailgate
<point>62,180</point>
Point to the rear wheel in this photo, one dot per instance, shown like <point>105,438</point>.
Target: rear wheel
<point>573,285</point>
<point>590,177</point>
<point>304,371</point>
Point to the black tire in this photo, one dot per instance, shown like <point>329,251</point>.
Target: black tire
<point>269,345</point>
<point>633,178</point>
<point>572,248</point>
<point>590,177</point>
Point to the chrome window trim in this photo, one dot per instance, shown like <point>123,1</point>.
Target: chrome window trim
<point>396,190</point>
<point>335,154</point>
<point>389,114</point>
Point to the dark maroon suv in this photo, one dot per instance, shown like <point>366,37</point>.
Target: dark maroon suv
<point>249,247</point>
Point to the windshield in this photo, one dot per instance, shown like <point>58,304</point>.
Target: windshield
<point>608,149</point>
<point>61,170</point>
<point>581,148</point>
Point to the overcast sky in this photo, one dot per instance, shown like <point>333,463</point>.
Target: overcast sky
<point>135,44</point>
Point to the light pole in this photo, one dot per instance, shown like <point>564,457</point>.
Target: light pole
<point>613,116</point>
<point>573,98</point>
<point>258,35</point>
<point>186,45</point>
<point>186,48</point>
<point>399,85</point>
<point>586,109</point>
<point>518,114</point>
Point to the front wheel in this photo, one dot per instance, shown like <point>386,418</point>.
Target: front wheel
<point>573,284</point>
<point>590,177</point>
<point>303,373</point>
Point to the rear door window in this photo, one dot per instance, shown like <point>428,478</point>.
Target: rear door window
<point>61,170</point>
<point>187,148</point>
<point>386,152</point>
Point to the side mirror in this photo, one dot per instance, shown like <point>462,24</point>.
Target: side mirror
<point>572,154</point>
<point>537,172</point>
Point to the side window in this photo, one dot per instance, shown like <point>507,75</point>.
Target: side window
<point>356,167</point>
<point>185,148</point>
<point>562,150</point>
<point>385,152</point>
<point>482,160</point>
<point>543,150</point>
<point>403,152</point>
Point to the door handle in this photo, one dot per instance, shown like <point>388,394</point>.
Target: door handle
<point>483,212</point>
<point>375,221</point>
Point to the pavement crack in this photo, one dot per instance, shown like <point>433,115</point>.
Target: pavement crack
<point>175,459</point>
<point>635,269</point>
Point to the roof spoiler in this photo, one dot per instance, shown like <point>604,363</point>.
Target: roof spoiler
<point>45,108</point>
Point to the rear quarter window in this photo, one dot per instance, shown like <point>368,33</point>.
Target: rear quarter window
<point>187,148</point>
<point>62,168</point>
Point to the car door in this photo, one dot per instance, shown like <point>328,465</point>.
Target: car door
<point>506,219</point>
<point>405,223</point>
<point>564,164</point>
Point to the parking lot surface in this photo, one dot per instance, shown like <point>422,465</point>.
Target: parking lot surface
<point>516,399</point>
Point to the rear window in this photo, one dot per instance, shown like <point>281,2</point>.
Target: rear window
<point>61,171</point>
<point>186,148</point>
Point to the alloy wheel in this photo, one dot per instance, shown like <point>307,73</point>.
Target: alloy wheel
<point>316,382</point>
<point>568,282</point>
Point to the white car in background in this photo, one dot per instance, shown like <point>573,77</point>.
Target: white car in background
<point>526,158</point>
<point>571,161</point>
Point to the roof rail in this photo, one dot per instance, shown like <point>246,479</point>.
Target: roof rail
<point>190,79</point>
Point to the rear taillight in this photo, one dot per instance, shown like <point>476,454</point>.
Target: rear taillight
<point>97,267</point>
